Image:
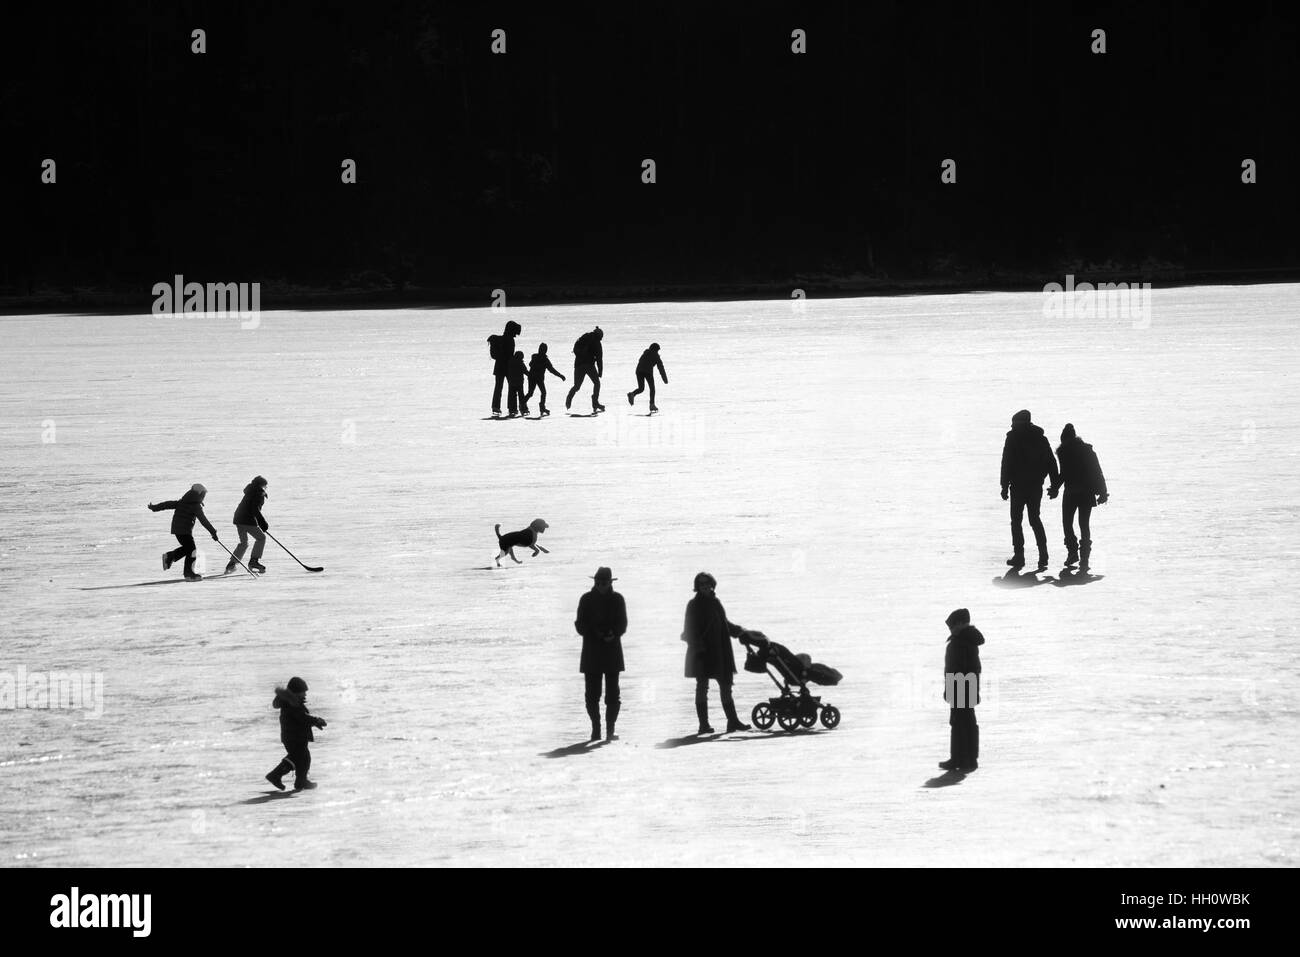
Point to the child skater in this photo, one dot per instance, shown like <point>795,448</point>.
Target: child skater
<point>296,723</point>
<point>188,509</point>
<point>538,366</point>
<point>645,375</point>
<point>515,375</point>
<point>250,524</point>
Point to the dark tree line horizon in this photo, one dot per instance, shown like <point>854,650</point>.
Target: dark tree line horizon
<point>526,167</point>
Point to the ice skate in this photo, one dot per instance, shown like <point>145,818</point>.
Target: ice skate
<point>167,561</point>
<point>257,567</point>
<point>1017,560</point>
<point>231,566</point>
<point>630,398</point>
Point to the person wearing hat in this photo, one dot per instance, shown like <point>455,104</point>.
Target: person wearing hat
<point>588,360</point>
<point>602,620</point>
<point>188,509</point>
<point>1085,486</point>
<point>961,690</point>
<point>502,350</point>
<point>1026,460</point>
<point>296,724</point>
<point>708,634</point>
<point>645,375</point>
<point>250,524</point>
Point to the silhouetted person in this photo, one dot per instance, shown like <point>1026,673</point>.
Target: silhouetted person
<point>708,635</point>
<point>961,690</point>
<point>1085,487</point>
<point>588,360</point>
<point>188,510</point>
<point>645,375</point>
<point>602,620</point>
<point>538,366</point>
<point>296,724</point>
<point>502,349</point>
<point>250,524</point>
<point>1026,460</point>
<point>516,374</point>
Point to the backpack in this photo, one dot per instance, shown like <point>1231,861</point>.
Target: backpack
<point>494,347</point>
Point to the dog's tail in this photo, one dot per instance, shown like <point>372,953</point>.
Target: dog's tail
<point>497,529</point>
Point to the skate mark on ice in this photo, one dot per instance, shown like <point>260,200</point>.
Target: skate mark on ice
<point>946,780</point>
<point>582,747</point>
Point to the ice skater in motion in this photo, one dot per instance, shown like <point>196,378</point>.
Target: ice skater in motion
<point>588,360</point>
<point>961,691</point>
<point>518,370</point>
<point>538,366</point>
<point>188,509</point>
<point>645,375</point>
<point>296,724</point>
<point>524,538</point>
<point>602,621</point>
<point>1026,460</point>
<point>708,635</point>
<point>250,524</point>
<point>1085,486</point>
<point>502,350</point>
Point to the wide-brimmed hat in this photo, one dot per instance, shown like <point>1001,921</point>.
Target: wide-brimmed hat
<point>604,574</point>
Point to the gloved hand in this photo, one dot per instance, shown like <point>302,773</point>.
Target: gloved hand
<point>266,526</point>
<point>1053,492</point>
<point>320,722</point>
<point>1005,494</point>
<point>1101,499</point>
<point>214,537</point>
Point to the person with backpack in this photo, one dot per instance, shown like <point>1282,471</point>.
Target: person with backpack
<point>502,350</point>
<point>1026,460</point>
<point>1085,486</point>
<point>588,360</point>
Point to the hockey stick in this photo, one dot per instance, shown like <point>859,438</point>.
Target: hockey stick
<point>310,568</point>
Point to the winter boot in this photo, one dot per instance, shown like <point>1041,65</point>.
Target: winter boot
<point>304,785</point>
<point>1017,560</point>
<point>1072,555</point>
<point>1085,553</point>
<point>631,398</point>
<point>597,407</point>
<point>167,560</point>
<point>281,769</point>
<point>595,729</point>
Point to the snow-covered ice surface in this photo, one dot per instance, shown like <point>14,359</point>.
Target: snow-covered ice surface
<point>836,469</point>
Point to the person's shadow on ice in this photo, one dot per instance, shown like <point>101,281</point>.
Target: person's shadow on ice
<point>946,780</point>
<point>1070,576</point>
<point>582,747</point>
<point>1013,579</point>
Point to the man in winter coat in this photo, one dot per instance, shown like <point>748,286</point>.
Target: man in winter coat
<point>588,360</point>
<point>1026,460</point>
<point>645,375</point>
<point>602,620</point>
<point>708,635</point>
<point>188,509</point>
<point>296,724</point>
<point>502,350</point>
<point>1085,487</point>
<point>961,690</point>
<point>250,524</point>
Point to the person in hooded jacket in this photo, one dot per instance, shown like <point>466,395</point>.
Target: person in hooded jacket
<point>1085,486</point>
<point>296,724</point>
<point>538,366</point>
<point>188,509</point>
<point>708,634</point>
<point>250,524</point>
<point>645,375</point>
<point>502,349</point>
<point>1026,460</point>
<point>588,360</point>
<point>602,621</point>
<point>961,690</point>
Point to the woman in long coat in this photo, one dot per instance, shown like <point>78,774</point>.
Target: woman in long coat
<point>708,634</point>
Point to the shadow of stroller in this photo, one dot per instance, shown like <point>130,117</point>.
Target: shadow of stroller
<point>1070,576</point>
<point>946,780</point>
<point>264,798</point>
<point>1013,579</point>
<point>582,747</point>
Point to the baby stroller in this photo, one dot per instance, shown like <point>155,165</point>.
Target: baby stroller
<point>794,709</point>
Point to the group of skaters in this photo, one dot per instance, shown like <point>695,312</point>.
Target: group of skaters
<point>248,521</point>
<point>511,372</point>
<point>1027,460</point>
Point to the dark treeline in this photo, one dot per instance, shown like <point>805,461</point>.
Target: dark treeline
<point>525,168</point>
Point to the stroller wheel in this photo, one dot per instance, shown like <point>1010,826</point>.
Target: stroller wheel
<point>808,720</point>
<point>763,716</point>
<point>830,716</point>
<point>789,722</point>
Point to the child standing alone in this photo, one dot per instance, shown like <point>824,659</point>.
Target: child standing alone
<point>296,724</point>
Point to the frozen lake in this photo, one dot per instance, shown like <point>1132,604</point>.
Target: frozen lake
<point>836,468</point>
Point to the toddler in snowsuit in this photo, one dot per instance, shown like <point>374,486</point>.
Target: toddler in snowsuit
<point>296,724</point>
<point>515,376</point>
